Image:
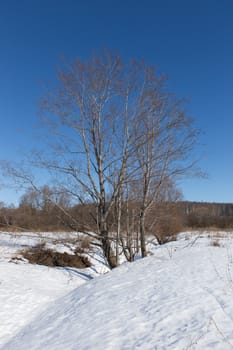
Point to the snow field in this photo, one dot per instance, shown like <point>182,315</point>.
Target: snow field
<point>180,298</point>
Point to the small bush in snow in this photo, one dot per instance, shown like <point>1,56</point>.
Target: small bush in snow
<point>215,243</point>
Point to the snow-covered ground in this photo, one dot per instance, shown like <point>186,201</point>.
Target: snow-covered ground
<point>179,298</point>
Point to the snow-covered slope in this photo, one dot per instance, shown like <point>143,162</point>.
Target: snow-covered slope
<point>179,298</point>
<point>26,290</point>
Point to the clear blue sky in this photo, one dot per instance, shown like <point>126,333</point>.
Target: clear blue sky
<point>191,41</point>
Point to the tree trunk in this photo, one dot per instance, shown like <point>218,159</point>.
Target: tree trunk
<point>142,235</point>
<point>106,242</point>
<point>107,250</point>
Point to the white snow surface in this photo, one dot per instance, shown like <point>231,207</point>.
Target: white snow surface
<point>181,297</point>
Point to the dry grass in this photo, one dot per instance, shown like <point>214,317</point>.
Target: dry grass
<point>208,229</point>
<point>48,257</point>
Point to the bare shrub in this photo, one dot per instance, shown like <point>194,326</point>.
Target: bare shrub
<point>215,243</point>
<point>48,257</point>
<point>167,222</point>
<point>167,230</point>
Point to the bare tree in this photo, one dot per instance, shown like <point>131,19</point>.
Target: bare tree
<point>90,117</point>
<point>166,138</point>
<point>112,126</point>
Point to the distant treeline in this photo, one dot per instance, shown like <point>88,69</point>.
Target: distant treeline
<point>166,216</point>
<point>204,214</point>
